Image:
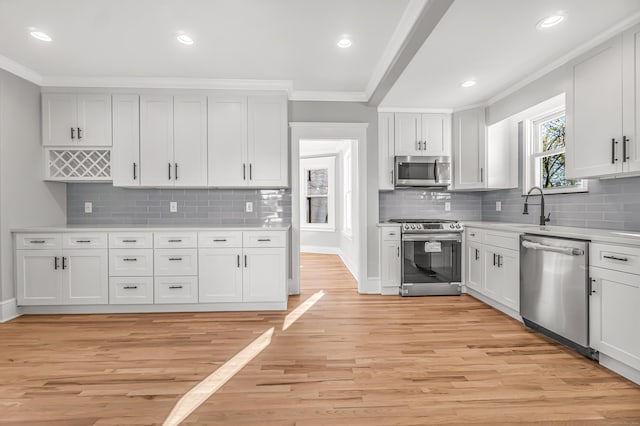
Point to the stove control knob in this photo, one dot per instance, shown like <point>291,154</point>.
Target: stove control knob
<point>458,226</point>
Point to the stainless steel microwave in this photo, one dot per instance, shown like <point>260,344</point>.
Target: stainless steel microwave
<point>423,172</point>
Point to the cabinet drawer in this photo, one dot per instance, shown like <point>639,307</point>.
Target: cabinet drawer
<point>176,290</point>
<point>474,234</point>
<point>506,240</point>
<point>175,262</point>
<point>220,239</point>
<point>130,290</point>
<point>83,240</point>
<point>38,241</point>
<point>390,233</point>
<point>165,240</point>
<point>130,262</point>
<point>264,239</point>
<point>135,240</point>
<point>618,258</point>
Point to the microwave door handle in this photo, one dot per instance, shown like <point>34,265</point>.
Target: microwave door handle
<point>435,171</point>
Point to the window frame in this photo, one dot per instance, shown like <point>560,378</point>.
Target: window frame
<point>318,162</point>
<point>532,153</point>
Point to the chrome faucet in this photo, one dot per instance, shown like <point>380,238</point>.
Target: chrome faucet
<point>543,219</point>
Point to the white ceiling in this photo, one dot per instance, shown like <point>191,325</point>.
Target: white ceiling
<point>291,40</point>
<point>496,43</point>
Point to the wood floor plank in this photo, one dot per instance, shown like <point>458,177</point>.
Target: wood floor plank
<point>349,360</point>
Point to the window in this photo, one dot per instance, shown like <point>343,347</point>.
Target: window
<point>317,183</point>
<point>347,193</point>
<point>545,155</point>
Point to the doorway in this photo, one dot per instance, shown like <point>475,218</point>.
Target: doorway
<point>325,216</point>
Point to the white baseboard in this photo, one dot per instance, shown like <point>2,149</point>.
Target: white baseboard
<point>9,310</point>
<point>497,305</point>
<point>622,369</point>
<point>134,309</point>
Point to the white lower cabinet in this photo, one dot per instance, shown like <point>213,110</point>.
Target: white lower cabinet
<point>614,315</point>
<point>263,274</point>
<point>390,260</point>
<point>493,266</point>
<point>175,290</point>
<point>130,290</point>
<point>85,277</point>
<point>39,277</point>
<point>220,272</point>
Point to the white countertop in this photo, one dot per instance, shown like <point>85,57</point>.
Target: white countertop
<point>149,228</point>
<point>595,235</point>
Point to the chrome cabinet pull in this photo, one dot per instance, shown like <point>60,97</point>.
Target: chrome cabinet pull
<point>37,241</point>
<point>175,287</point>
<point>130,259</point>
<point>130,287</point>
<point>175,258</point>
<point>174,241</point>
<point>129,241</point>
<point>264,240</point>
<point>621,259</point>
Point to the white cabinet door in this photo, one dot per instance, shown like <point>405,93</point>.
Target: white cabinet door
<point>94,120</point>
<point>268,147</point>
<point>85,277</point>
<point>475,266</point>
<point>386,151</point>
<point>59,119</point>
<point>125,155</point>
<point>631,99</point>
<point>264,277</point>
<point>190,140</point>
<point>614,315</point>
<point>156,141</point>
<point>594,113</point>
<point>509,265</point>
<point>390,264</point>
<point>220,274</point>
<point>227,164</point>
<point>39,277</point>
<point>407,134</point>
<point>469,153</point>
<point>492,279</point>
<point>436,135</point>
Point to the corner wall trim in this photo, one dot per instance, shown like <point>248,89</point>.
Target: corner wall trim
<point>9,310</point>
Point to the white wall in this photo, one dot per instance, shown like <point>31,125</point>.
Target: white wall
<point>25,200</point>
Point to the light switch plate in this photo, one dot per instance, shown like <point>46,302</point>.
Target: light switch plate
<point>249,207</point>
<point>498,206</point>
<point>88,207</point>
<point>447,206</point>
<point>173,207</point>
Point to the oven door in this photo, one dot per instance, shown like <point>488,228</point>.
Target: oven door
<point>423,172</point>
<point>431,259</point>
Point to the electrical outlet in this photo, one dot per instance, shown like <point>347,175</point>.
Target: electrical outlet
<point>88,207</point>
<point>173,207</point>
<point>447,206</point>
<point>498,206</point>
<point>248,207</point>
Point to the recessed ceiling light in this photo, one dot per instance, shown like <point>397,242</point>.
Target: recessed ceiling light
<point>551,21</point>
<point>345,41</point>
<point>40,35</point>
<point>468,83</point>
<point>184,39</point>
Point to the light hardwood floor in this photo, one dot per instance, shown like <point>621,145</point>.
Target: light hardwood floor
<point>351,359</point>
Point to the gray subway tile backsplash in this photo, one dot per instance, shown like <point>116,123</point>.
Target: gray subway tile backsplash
<point>119,206</point>
<point>429,204</point>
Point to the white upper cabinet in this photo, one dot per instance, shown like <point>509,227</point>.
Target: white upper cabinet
<point>227,141</point>
<point>603,115</point>
<point>125,155</point>
<point>469,157</point>
<point>422,134</point>
<point>386,151</point>
<point>268,148</point>
<point>156,140</point>
<point>190,140</point>
<point>76,120</point>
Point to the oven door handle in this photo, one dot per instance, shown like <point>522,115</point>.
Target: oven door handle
<point>432,237</point>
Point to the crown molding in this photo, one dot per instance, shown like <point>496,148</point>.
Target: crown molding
<point>20,70</point>
<point>416,110</point>
<point>400,34</point>
<point>168,83</point>
<point>328,96</point>
<point>563,60</point>
<point>328,125</point>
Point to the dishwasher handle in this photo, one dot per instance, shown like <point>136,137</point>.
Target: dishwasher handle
<point>569,251</point>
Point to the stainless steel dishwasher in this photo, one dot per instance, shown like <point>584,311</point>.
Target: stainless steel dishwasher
<point>554,289</point>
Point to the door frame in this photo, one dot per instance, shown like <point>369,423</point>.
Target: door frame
<point>356,132</point>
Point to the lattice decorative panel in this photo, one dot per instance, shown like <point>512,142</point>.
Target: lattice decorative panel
<point>90,165</point>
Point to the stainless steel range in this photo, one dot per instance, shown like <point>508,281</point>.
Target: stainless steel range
<point>432,257</point>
